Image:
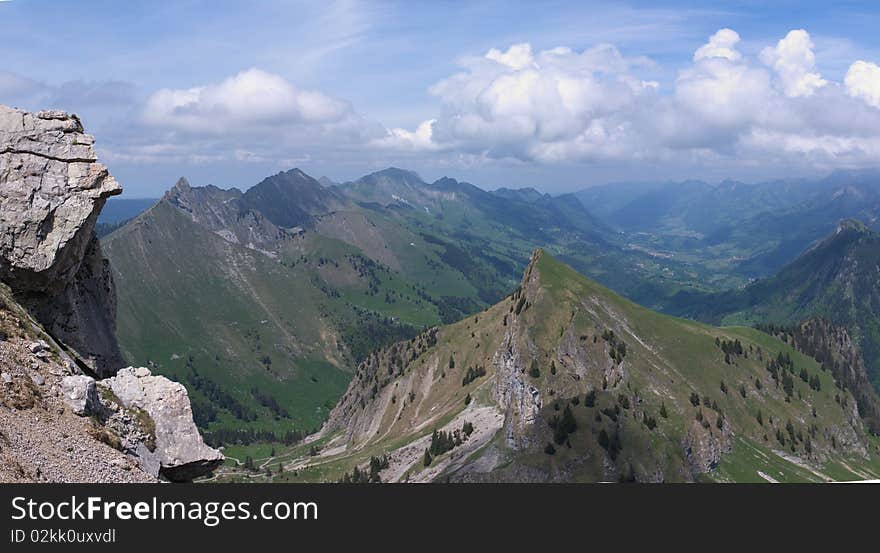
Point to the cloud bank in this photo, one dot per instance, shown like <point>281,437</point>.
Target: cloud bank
<point>513,103</point>
<point>560,105</point>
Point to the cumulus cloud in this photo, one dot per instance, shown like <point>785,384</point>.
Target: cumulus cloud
<point>863,81</point>
<point>795,63</point>
<point>517,56</point>
<point>560,105</point>
<point>721,45</point>
<point>252,97</point>
<point>551,106</point>
<point>251,117</point>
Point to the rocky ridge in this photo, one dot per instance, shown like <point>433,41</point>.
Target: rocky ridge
<point>565,381</point>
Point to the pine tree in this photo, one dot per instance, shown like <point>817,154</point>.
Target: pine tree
<point>427,460</point>
<point>534,371</point>
<point>590,399</point>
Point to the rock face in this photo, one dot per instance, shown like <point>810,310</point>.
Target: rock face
<point>182,453</point>
<point>51,192</point>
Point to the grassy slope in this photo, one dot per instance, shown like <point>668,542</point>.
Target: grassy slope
<point>227,307</point>
<point>836,280</point>
<point>184,292</point>
<point>667,359</point>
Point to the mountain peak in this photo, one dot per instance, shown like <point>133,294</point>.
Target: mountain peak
<point>404,176</point>
<point>852,225</point>
<point>182,184</point>
<point>291,198</point>
<point>181,188</point>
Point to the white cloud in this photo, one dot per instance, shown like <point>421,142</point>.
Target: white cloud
<point>721,45</point>
<point>795,63</point>
<point>549,105</point>
<point>863,81</point>
<point>552,106</point>
<point>517,56</point>
<point>252,97</point>
<point>401,139</point>
<point>561,106</point>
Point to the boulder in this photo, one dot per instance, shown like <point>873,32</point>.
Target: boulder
<point>182,453</point>
<point>80,394</point>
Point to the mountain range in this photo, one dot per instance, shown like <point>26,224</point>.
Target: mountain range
<point>288,285</point>
<point>267,304</point>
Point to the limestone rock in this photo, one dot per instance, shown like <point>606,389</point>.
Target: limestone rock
<point>51,192</point>
<point>81,394</point>
<point>182,453</point>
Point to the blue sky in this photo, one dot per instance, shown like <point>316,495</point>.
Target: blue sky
<point>556,95</point>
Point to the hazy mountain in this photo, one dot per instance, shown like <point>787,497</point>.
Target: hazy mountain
<point>118,211</point>
<point>521,194</point>
<point>732,232</point>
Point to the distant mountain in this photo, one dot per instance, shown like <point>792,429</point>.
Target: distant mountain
<point>489,235</point>
<point>226,213</point>
<point>733,232</point>
<point>521,194</point>
<point>225,320</point>
<point>291,199</point>
<point>118,211</point>
<point>349,266</point>
<point>838,279</point>
<point>391,187</point>
<point>692,205</point>
<point>565,381</point>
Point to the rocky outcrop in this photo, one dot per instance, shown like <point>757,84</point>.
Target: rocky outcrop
<point>80,394</point>
<point>53,189</point>
<point>180,450</point>
<point>58,319</point>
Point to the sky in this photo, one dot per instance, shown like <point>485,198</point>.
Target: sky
<point>554,95</point>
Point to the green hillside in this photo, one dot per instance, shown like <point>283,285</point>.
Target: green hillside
<point>264,325</point>
<point>566,381</point>
<point>226,320</point>
<point>838,280</point>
